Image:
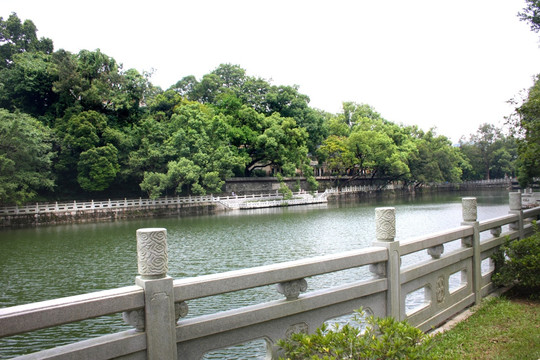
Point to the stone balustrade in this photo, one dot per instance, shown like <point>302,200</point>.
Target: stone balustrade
<point>450,279</point>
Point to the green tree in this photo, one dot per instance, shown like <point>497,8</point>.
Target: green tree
<point>355,114</point>
<point>17,37</point>
<point>189,152</point>
<point>280,143</point>
<point>87,142</point>
<point>91,80</point>
<point>489,153</point>
<point>27,84</point>
<point>25,158</point>
<point>376,154</point>
<point>335,153</point>
<point>531,14</point>
<point>289,102</point>
<point>97,168</point>
<point>527,123</point>
<point>184,173</point>
<point>149,153</point>
<point>230,83</point>
<point>436,160</point>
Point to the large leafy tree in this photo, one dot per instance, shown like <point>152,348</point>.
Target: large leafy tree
<point>365,144</point>
<point>436,160</point>
<point>527,124</point>
<point>265,140</point>
<point>531,14</point>
<point>490,153</point>
<point>527,115</point>
<point>86,144</point>
<point>191,152</point>
<point>336,154</point>
<point>97,167</point>
<point>17,37</point>
<point>25,69</point>
<point>27,84</point>
<point>91,80</point>
<point>377,155</point>
<point>228,82</point>
<point>25,158</point>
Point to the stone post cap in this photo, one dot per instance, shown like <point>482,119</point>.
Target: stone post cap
<point>469,209</point>
<point>515,200</point>
<point>385,222</point>
<point>152,252</point>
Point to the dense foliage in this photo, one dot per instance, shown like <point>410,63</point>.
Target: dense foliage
<point>517,263</point>
<point>527,126</point>
<point>25,157</point>
<point>491,154</point>
<point>526,119</point>
<point>98,130</point>
<point>383,338</point>
<point>531,14</point>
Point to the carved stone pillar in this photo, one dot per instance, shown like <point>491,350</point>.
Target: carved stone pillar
<point>385,226</point>
<point>515,208</point>
<point>469,210</point>
<point>152,253</point>
<point>385,222</point>
<point>159,310</point>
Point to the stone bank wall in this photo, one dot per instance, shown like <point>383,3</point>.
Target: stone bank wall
<point>255,185</point>
<point>95,215</point>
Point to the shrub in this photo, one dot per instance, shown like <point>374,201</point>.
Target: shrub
<point>518,263</point>
<point>283,188</point>
<point>383,338</point>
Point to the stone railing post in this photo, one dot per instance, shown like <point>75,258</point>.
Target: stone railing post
<point>385,222</point>
<point>470,218</point>
<point>159,319</point>
<point>515,208</point>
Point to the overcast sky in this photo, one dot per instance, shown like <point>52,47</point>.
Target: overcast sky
<point>446,64</point>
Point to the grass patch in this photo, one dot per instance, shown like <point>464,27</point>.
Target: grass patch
<point>502,328</point>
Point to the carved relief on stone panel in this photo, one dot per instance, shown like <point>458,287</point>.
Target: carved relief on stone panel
<point>152,252</point>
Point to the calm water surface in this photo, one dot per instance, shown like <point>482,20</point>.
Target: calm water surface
<point>55,261</point>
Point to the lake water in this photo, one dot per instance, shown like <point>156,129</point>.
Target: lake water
<point>55,261</point>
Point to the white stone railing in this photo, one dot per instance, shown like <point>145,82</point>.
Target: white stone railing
<point>361,188</point>
<point>42,208</point>
<point>491,181</point>
<point>99,205</point>
<point>281,202</point>
<point>127,203</point>
<point>451,277</point>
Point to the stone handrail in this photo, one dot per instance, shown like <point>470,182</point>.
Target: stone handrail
<point>94,205</point>
<point>274,203</point>
<point>116,204</point>
<point>450,277</point>
<point>140,202</point>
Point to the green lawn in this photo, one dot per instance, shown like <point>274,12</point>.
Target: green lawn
<point>502,328</point>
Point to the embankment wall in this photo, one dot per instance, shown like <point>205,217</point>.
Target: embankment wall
<point>98,215</point>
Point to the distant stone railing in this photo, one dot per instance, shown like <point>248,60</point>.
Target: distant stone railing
<point>281,202</point>
<point>45,208</point>
<point>491,181</point>
<point>101,205</point>
<point>454,273</point>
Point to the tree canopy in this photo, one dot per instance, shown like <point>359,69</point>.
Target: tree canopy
<point>531,14</point>
<point>527,123</point>
<point>26,157</point>
<point>96,129</point>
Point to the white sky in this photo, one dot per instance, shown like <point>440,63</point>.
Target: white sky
<point>446,64</point>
